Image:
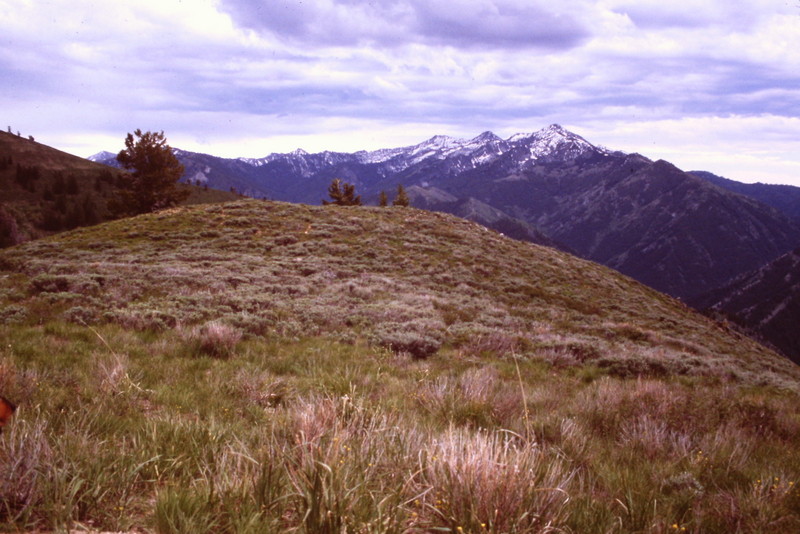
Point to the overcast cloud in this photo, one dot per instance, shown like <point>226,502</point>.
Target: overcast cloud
<point>706,84</point>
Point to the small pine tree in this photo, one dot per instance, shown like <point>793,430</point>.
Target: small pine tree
<point>9,231</point>
<point>60,204</point>
<point>59,184</point>
<point>153,182</point>
<point>342,194</point>
<point>402,197</point>
<point>74,216</point>
<point>89,211</point>
<point>27,174</point>
<point>384,200</point>
<point>52,220</point>
<point>71,185</point>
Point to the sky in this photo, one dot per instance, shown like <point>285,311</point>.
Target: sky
<point>705,84</point>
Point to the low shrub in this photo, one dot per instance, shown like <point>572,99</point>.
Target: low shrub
<point>400,337</point>
<point>81,315</point>
<point>142,319</point>
<point>13,314</point>
<point>49,283</point>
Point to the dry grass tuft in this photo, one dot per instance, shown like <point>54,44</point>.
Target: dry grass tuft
<point>25,460</point>
<point>215,339</point>
<point>489,482</point>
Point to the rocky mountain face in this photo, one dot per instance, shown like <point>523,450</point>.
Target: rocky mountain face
<point>765,302</point>
<point>672,230</point>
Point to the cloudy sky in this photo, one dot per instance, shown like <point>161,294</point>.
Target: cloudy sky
<point>705,84</point>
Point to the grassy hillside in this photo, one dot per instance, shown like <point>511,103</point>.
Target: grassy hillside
<point>44,190</point>
<point>257,366</point>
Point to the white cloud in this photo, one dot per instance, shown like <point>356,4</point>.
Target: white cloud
<point>748,149</point>
<point>261,75</point>
<point>463,23</point>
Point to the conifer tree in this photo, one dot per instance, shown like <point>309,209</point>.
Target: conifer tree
<point>71,186</point>
<point>383,200</point>
<point>402,198</point>
<point>89,211</point>
<point>153,183</point>
<point>342,194</point>
<point>59,183</point>
<point>9,231</point>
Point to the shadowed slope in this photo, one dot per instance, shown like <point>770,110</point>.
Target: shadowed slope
<point>766,302</point>
<point>44,190</point>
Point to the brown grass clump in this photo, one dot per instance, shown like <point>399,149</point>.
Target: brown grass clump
<point>25,460</point>
<point>215,339</point>
<point>492,482</point>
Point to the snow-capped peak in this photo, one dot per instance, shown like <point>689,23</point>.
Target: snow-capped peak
<point>554,141</point>
<point>486,137</point>
<point>440,142</point>
<point>438,146</point>
<point>102,156</point>
<point>551,143</point>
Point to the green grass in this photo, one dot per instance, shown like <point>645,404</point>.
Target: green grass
<point>242,368</point>
<point>118,430</point>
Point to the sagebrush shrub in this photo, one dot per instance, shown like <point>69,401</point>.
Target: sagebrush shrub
<point>419,345</point>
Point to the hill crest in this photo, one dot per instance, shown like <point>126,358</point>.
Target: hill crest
<point>403,278</point>
<point>553,184</point>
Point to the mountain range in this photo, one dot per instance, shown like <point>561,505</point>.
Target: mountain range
<point>678,232</point>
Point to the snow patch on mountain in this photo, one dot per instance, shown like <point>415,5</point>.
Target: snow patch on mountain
<point>553,143</point>
<point>102,157</point>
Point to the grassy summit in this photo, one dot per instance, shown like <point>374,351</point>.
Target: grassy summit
<point>259,366</point>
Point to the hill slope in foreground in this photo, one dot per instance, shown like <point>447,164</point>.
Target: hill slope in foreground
<point>258,366</point>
